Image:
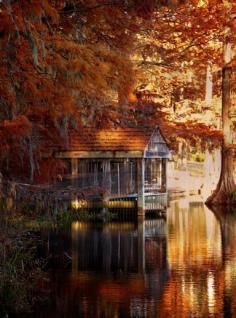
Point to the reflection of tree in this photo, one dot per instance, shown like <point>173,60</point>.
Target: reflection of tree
<point>192,232</point>
<point>227,220</point>
<point>194,256</point>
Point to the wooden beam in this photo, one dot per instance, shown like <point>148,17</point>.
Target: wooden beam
<point>106,168</point>
<point>166,180</point>
<point>74,167</point>
<point>163,174</point>
<point>98,154</point>
<point>140,186</point>
<point>126,177</point>
<point>118,177</point>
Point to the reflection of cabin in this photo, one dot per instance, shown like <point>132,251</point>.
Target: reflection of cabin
<point>120,247</point>
<point>114,266</point>
<point>123,162</point>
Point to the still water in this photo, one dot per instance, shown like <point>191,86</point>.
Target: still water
<point>183,265</point>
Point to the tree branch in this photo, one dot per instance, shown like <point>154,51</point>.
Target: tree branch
<point>98,6</point>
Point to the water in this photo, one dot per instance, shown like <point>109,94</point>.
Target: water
<point>180,266</point>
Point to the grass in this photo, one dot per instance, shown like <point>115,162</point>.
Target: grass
<point>21,269</point>
<point>59,218</point>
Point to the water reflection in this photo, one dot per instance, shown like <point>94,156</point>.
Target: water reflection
<point>195,260</point>
<point>181,266</point>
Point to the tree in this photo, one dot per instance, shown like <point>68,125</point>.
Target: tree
<point>68,63</point>
<point>189,39</point>
<point>226,185</point>
<point>61,62</point>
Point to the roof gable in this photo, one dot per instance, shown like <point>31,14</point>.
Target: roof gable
<point>157,147</point>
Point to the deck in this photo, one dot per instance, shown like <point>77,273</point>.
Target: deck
<point>152,202</point>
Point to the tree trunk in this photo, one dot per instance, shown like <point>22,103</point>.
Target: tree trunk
<point>209,85</point>
<point>226,184</point>
<point>31,159</point>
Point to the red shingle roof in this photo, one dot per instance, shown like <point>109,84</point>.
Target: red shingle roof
<point>120,139</point>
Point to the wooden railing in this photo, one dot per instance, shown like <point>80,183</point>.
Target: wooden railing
<point>156,202</point>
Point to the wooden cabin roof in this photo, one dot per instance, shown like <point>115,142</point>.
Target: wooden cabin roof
<point>120,139</point>
<point>112,142</point>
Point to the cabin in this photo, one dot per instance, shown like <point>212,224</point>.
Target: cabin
<point>124,163</point>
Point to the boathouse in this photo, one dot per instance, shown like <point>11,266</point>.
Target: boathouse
<point>123,163</point>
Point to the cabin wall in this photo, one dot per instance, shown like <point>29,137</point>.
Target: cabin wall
<point>120,177</point>
<point>155,175</point>
<point>116,177</point>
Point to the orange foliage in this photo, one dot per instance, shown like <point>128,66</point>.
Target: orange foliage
<point>49,170</point>
<point>66,63</point>
<point>58,62</point>
<point>151,114</point>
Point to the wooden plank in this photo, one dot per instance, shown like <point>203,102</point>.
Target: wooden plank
<point>98,154</point>
<point>140,186</point>
<point>74,167</point>
<point>118,177</point>
<point>106,168</point>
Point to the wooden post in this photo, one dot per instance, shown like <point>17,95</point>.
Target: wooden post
<point>126,177</point>
<point>106,178</point>
<point>95,174</point>
<point>166,180</point>
<point>140,187</point>
<point>74,167</point>
<point>118,178</point>
<point>132,176</point>
<point>160,172</point>
<point>163,174</point>
<point>82,172</point>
